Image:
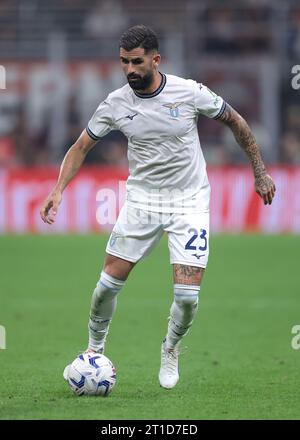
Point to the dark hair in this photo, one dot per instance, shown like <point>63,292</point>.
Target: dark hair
<point>139,36</point>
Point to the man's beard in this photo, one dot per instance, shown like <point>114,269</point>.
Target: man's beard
<point>140,83</point>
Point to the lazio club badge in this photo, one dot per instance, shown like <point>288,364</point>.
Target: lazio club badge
<point>174,110</point>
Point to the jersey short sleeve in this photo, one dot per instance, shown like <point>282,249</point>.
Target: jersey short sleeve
<point>207,102</point>
<point>101,122</point>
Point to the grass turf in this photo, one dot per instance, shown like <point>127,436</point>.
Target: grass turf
<point>239,363</point>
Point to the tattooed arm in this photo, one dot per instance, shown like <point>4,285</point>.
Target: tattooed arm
<point>264,184</point>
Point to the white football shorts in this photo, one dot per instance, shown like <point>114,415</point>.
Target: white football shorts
<point>137,231</point>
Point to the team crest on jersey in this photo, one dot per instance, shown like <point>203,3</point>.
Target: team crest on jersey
<point>113,238</point>
<point>173,107</point>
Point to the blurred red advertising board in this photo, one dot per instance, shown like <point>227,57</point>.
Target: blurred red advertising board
<point>93,199</point>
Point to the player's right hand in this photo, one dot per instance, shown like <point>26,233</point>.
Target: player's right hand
<point>50,206</point>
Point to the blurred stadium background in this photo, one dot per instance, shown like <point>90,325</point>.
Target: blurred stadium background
<point>61,60</point>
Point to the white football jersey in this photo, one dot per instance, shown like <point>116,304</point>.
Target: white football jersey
<point>166,165</point>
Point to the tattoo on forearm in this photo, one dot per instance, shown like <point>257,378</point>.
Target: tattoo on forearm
<point>244,138</point>
<point>187,274</point>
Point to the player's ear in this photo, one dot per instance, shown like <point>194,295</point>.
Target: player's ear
<point>156,59</point>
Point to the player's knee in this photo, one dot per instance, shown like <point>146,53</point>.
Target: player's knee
<point>117,268</point>
<point>107,287</point>
<point>190,302</point>
<point>186,296</point>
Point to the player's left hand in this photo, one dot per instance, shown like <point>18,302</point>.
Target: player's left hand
<point>265,188</point>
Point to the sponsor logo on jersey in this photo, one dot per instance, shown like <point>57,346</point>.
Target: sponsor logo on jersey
<point>131,116</point>
<point>198,256</point>
<point>173,107</point>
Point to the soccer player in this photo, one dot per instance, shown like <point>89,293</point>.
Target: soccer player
<point>167,189</point>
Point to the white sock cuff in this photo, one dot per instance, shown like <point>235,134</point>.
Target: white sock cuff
<point>190,287</point>
<point>110,282</point>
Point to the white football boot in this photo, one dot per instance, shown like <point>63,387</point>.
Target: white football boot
<point>168,373</point>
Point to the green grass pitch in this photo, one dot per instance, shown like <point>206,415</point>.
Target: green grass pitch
<point>239,363</point>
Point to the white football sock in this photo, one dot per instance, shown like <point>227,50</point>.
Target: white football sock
<point>183,310</point>
<point>103,305</point>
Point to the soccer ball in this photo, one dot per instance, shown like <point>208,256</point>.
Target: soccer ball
<point>91,374</point>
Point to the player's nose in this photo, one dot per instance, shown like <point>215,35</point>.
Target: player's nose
<point>131,71</point>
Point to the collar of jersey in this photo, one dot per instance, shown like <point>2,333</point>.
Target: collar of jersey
<point>156,92</point>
